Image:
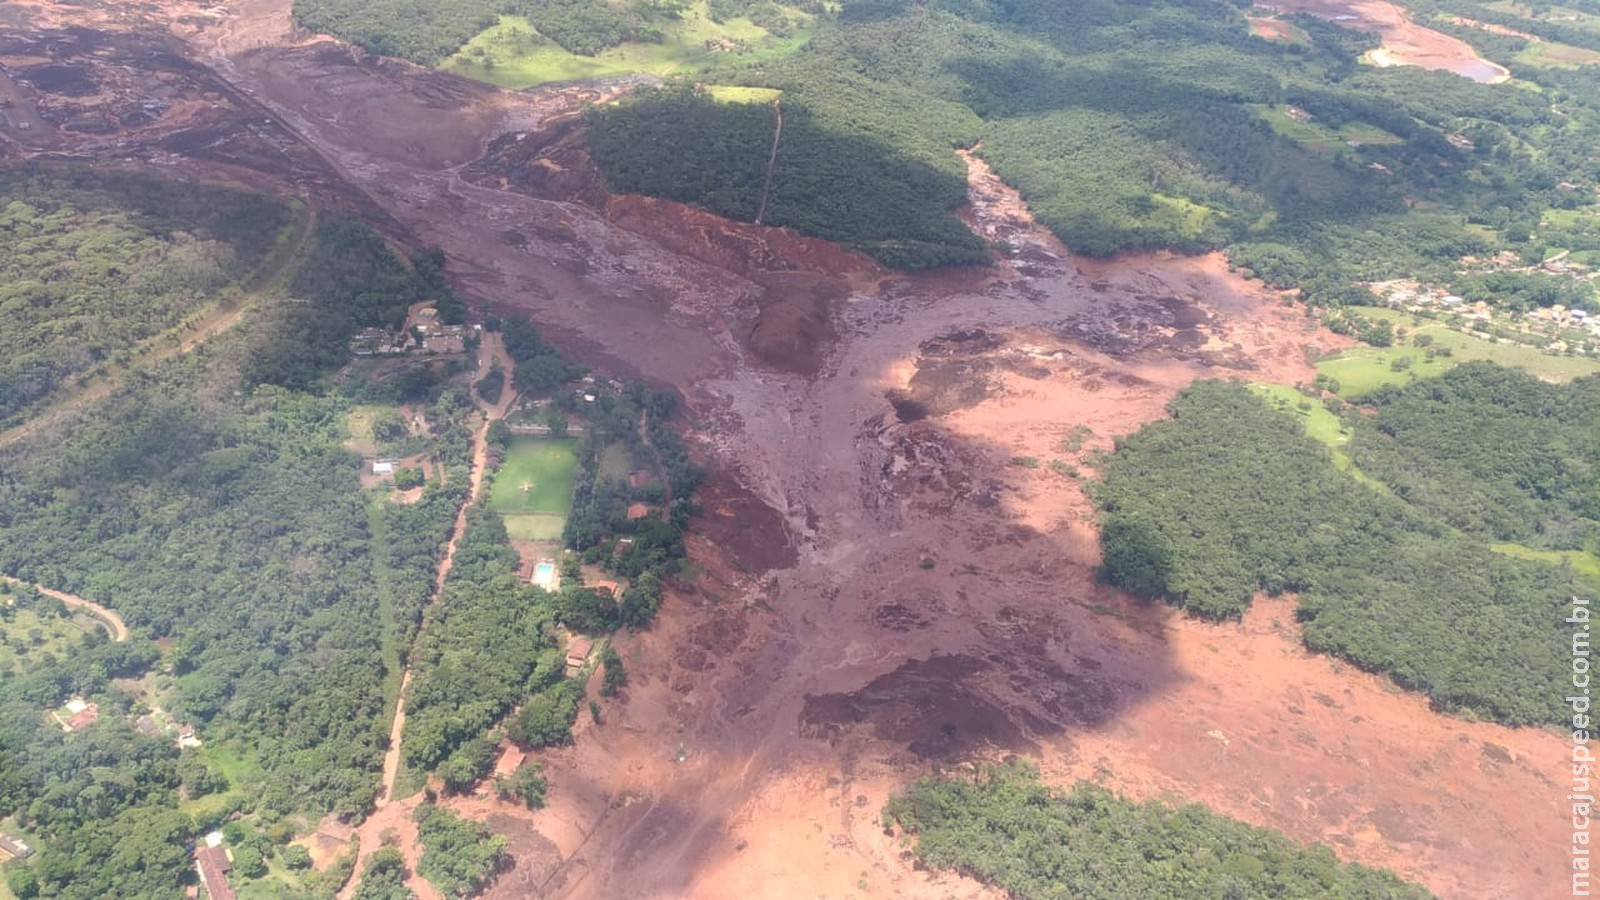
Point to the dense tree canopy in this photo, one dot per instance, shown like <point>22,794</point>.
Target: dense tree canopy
<point>1229,498</point>
<point>1008,829</point>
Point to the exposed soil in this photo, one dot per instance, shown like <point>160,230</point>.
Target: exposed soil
<point>881,581</point>
<point>1405,43</point>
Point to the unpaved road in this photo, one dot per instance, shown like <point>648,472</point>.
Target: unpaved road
<point>113,624</point>
<point>879,590</point>
<point>393,813</point>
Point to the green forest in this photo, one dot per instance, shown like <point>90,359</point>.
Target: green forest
<point>1007,828</point>
<point>220,514</point>
<point>1229,498</point>
<point>1137,126</point>
<point>92,263</point>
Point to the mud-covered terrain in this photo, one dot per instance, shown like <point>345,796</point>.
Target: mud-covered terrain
<point>894,563</point>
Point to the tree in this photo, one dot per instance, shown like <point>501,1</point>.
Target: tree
<point>527,785</point>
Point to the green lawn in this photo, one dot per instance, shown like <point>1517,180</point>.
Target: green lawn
<point>536,477</point>
<point>1361,369</point>
<point>513,54</point>
<point>534,527</point>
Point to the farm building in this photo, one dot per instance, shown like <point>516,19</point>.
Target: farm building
<point>213,864</point>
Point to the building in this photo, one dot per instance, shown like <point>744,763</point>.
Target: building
<point>213,864</point>
<point>638,479</point>
<point>578,653</point>
<point>83,715</point>
<point>14,848</point>
<point>610,587</point>
<point>383,467</point>
<point>638,511</point>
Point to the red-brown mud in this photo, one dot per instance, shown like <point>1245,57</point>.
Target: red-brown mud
<point>881,581</point>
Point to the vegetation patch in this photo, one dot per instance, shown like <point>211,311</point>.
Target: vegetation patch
<point>92,263</point>
<point>1230,498</point>
<point>1008,829</point>
<point>1360,370</point>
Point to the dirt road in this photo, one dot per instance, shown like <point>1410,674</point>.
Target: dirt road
<point>393,814</point>
<point>113,624</point>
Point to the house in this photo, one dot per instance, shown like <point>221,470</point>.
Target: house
<point>187,737</point>
<point>638,511</point>
<point>622,547</point>
<point>610,587</point>
<point>82,718</point>
<point>14,848</point>
<point>383,467</point>
<point>213,864</point>
<point>578,652</point>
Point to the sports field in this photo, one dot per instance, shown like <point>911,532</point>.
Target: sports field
<point>536,477</point>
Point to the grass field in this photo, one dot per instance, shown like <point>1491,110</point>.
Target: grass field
<point>513,54</point>
<point>536,477</point>
<point>1361,369</point>
<point>534,527</point>
<point>1316,136</point>
<point>728,93</point>
<point>25,630</point>
<point>1583,563</point>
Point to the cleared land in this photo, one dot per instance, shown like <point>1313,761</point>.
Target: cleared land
<point>514,54</point>
<point>1361,369</point>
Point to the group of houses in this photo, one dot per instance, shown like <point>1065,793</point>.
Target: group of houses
<point>422,333</point>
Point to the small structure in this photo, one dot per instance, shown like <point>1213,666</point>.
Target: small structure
<point>383,467</point>
<point>213,864</point>
<point>14,848</point>
<point>83,715</point>
<point>578,653</point>
<point>610,587</point>
<point>622,547</point>
<point>187,738</point>
<point>638,479</point>
<point>638,511</point>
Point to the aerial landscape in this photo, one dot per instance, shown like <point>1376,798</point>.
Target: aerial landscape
<point>798,448</point>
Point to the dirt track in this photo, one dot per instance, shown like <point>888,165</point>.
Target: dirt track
<point>861,424</point>
<point>115,627</point>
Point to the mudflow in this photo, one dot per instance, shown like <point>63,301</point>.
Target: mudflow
<point>882,583</point>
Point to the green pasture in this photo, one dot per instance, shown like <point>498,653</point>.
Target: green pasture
<point>1317,136</point>
<point>513,54</point>
<point>1362,369</point>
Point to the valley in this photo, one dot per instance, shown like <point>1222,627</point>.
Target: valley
<point>894,555</point>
